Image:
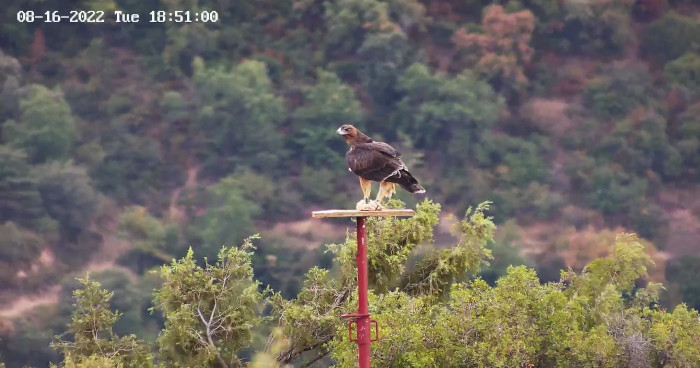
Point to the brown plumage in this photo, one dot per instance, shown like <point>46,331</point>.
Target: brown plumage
<point>376,161</point>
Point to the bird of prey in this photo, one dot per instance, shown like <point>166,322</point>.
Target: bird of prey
<point>376,161</point>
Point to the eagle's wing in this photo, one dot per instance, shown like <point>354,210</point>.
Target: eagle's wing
<point>374,160</point>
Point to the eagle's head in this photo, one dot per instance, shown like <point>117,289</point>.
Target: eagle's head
<point>347,131</point>
<point>352,135</point>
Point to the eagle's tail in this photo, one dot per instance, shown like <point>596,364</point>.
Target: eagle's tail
<point>407,181</point>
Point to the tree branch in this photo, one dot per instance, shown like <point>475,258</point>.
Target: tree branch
<point>207,325</point>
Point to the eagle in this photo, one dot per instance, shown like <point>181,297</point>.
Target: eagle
<point>376,161</point>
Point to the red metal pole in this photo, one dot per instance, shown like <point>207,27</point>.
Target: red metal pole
<point>363,331</point>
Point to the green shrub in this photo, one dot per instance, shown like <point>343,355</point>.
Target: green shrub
<point>637,144</point>
<point>526,203</point>
<point>382,57</point>
<point>670,36</point>
<point>68,197</point>
<point>619,91</point>
<point>19,248</point>
<point>46,128</point>
<point>132,165</point>
<point>238,112</point>
<point>228,219</point>
<point>685,271</point>
<point>685,71</point>
<point>515,161</point>
<point>583,26</point>
<point>349,22</point>
<point>326,105</point>
<point>613,190</point>
<point>685,137</point>
<point>19,197</point>
<point>649,221</point>
<point>436,109</point>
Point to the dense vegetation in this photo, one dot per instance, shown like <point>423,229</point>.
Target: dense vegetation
<point>578,119</point>
<point>430,315</point>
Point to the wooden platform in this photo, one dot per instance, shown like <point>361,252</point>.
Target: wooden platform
<point>355,213</point>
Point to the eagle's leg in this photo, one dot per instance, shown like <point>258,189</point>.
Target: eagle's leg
<point>386,190</point>
<point>366,186</point>
<point>366,204</point>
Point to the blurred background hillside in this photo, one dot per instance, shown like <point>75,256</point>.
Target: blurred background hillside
<point>121,145</point>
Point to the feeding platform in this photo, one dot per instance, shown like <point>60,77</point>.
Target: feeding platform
<point>355,213</point>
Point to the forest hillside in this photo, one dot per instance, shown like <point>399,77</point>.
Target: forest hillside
<point>132,151</point>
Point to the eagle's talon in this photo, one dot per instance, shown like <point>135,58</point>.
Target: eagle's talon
<point>368,205</point>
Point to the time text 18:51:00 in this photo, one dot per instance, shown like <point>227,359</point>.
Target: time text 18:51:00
<point>98,16</point>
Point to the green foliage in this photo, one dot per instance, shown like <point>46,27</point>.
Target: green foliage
<point>149,236</point>
<point>68,196</point>
<point>144,230</point>
<point>436,108</point>
<point>46,128</point>
<point>349,22</point>
<point>18,246</point>
<point>505,251</point>
<point>184,44</point>
<point>588,27</point>
<point>684,71</point>
<point>390,242</point>
<point>19,196</point>
<point>686,138</point>
<point>676,336</point>
<point>174,106</point>
<point>627,262</point>
<point>10,86</point>
<point>93,339</point>
<point>209,311</point>
<point>638,144</point>
<point>581,321</point>
<point>612,190</point>
<point>137,107</point>
<point>309,321</point>
<point>131,165</point>
<point>28,344</point>
<point>326,105</point>
<point>510,169</point>
<point>670,36</point>
<point>686,273</point>
<point>649,221</point>
<point>237,113</point>
<point>268,359</point>
<point>89,362</point>
<point>517,161</point>
<point>384,56</point>
<point>602,317</point>
<point>436,273</point>
<point>131,298</point>
<point>229,217</point>
<point>18,249</point>
<point>623,89</point>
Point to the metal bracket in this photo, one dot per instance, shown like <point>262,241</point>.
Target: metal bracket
<point>371,322</point>
<point>376,330</point>
<point>353,316</point>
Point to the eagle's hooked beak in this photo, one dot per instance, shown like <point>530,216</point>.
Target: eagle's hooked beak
<point>340,131</point>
